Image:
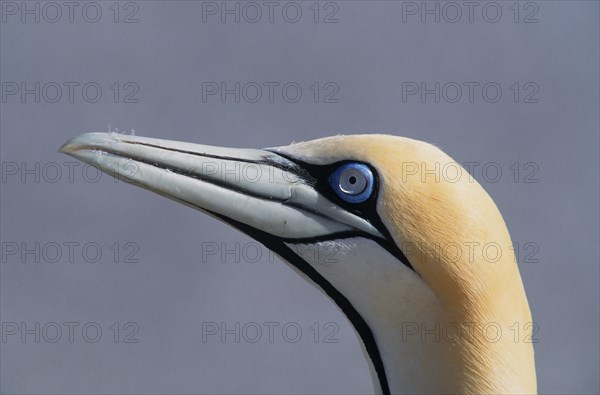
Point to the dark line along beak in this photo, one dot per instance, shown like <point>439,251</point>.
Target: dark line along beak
<point>255,187</point>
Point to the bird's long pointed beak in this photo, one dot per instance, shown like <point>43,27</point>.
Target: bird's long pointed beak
<point>258,188</point>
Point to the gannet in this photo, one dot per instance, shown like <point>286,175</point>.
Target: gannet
<point>434,308</point>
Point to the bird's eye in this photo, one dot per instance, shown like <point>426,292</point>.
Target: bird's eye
<point>352,182</point>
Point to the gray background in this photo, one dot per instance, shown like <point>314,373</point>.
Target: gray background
<point>171,291</point>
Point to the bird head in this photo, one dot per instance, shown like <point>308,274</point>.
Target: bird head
<point>403,235</point>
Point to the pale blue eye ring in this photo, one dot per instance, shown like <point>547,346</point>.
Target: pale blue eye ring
<point>352,182</point>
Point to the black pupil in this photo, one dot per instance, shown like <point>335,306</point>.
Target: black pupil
<point>352,180</point>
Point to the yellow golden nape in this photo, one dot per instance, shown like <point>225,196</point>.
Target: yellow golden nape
<point>455,238</point>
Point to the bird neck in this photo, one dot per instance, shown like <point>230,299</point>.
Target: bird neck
<point>484,326</point>
<point>456,239</point>
<point>406,318</point>
<point>425,344</point>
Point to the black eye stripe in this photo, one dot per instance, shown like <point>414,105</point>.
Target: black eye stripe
<point>318,177</point>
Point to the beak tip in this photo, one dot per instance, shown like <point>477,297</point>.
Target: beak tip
<point>66,148</point>
<point>83,141</point>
